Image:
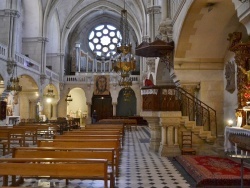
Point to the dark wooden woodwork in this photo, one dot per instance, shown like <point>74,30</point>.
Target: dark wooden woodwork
<point>166,99</point>
<point>3,105</point>
<point>242,60</point>
<point>103,106</point>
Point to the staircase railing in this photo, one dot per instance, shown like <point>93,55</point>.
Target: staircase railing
<point>198,111</point>
<point>171,98</point>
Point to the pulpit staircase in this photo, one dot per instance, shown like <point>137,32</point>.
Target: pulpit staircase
<point>196,115</point>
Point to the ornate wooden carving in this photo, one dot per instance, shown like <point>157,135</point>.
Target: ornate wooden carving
<point>242,60</point>
<point>160,98</point>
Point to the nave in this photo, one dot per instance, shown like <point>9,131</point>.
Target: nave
<point>139,168</point>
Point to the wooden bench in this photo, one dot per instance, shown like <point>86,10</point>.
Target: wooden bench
<point>88,143</point>
<point>125,121</point>
<point>54,168</point>
<point>129,123</point>
<point>30,132</point>
<point>16,134</point>
<point>96,132</point>
<point>5,141</point>
<point>82,137</point>
<point>88,153</point>
<point>105,126</point>
<point>46,130</point>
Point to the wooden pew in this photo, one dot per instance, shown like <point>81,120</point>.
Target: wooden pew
<point>127,122</point>
<point>30,132</point>
<point>5,141</point>
<point>96,132</point>
<point>46,130</point>
<point>105,126</point>
<point>16,134</point>
<point>82,137</point>
<point>88,153</point>
<point>54,168</point>
<point>88,143</point>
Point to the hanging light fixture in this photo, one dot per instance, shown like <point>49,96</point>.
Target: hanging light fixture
<point>68,97</point>
<point>125,61</point>
<point>50,91</point>
<point>13,83</point>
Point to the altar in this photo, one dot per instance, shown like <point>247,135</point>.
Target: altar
<point>241,139</point>
<point>12,120</point>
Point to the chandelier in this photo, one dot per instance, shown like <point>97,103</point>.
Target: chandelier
<point>125,61</point>
<point>68,97</point>
<point>50,91</point>
<point>13,84</point>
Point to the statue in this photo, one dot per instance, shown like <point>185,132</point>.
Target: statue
<point>230,76</point>
<point>247,73</point>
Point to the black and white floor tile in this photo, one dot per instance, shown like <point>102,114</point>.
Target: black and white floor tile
<point>139,168</point>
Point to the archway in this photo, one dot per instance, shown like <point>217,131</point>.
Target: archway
<point>77,108</point>
<point>126,103</point>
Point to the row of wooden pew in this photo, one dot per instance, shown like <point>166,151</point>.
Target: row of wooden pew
<point>24,133</point>
<point>90,153</point>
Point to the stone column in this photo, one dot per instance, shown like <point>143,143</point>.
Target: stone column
<point>114,108</point>
<point>170,121</point>
<point>176,128</point>
<point>62,67</point>
<point>54,112</point>
<point>43,40</point>
<point>154,14</point>
<point>88,118</point>
<point>78,57</point>
<point>163,135</point>
<point>155,129</point>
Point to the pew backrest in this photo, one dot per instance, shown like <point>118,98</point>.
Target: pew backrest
<point>55,168</point>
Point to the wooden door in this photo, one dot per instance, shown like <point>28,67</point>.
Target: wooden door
<point>3,105</point>
<point>103,107</point>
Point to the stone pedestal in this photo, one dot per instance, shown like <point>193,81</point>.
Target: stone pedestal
<point>155,129</point>
<point>170,123</point>
<point>164,127</point>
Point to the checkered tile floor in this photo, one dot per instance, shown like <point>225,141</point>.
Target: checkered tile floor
<point>139,168</point>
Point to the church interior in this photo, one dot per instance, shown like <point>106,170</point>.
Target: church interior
<point>125,93</point>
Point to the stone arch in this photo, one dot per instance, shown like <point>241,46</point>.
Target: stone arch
<point>126,107</point>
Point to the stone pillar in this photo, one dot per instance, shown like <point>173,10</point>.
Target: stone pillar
<point>163,135</point>
<point>155,129</point>
<point>154,19</point>
<point>62,68</point>
<point>54,112</point>
<point>176,135</point>
<point>78,57</point>
<point>88,118</point>
<point>170,121</point>
<point>164,10</point>
<point>114,108</point>
<point>43,40</point>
